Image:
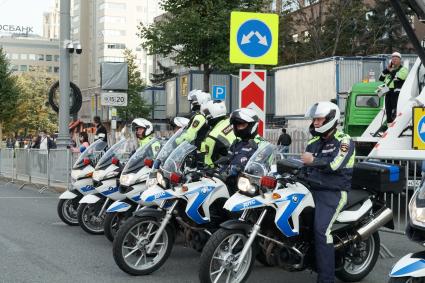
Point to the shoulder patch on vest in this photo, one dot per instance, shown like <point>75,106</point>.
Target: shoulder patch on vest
<point>195,124</point>
<point>227,130</point>
<point>344,147</point>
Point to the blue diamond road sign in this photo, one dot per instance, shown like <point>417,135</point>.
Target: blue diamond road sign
<point>254,38</point>
<point>218,92</point>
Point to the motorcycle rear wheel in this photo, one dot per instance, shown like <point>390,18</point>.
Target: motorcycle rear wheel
<point>355,269</point>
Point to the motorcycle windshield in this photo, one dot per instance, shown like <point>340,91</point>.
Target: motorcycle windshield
<point>121,151</point>
<point>92,152</point>
<point>169,146</point>
<point>260,162</point>
<point>176,159</point>
<point>137,160</point>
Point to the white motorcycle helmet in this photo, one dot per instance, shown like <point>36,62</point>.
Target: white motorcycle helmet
<point>180,122</point>
<point>142,123</point>
<point>197,98</point>
<point>214,109</point>
<point>327,110</point>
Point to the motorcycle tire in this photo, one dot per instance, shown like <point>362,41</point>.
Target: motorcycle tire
<point>75,95</point>
<point>120,241</point>
<point>63,212</point>
<point>346,276</point>
<point>209,250</point>
<point>112,227</point>
<point>85,208</point>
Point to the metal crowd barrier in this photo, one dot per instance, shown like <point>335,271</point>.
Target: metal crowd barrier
<point>41,168</point>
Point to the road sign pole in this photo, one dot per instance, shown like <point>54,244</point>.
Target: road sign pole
<point>65,29</point>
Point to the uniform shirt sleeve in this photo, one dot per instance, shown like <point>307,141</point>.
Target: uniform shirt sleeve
<point>192,129</point>
<point>345,153</point>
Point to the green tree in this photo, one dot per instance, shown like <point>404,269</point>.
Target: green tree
<point>385,31</point>
<point>166,73</point>
<point>9,93</point>
<point>32,113</point>
<point>136,106</point>
<point>196,33</point>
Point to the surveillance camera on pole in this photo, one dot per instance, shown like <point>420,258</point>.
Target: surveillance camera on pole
<point>69,46</point>
<point>78,48</point>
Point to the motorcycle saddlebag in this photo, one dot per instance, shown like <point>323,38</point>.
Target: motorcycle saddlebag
<point>379,177</point>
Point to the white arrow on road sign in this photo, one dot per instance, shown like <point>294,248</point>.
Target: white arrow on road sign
<point>422,128</point>
<point>263,39</point>
<point>246,38</point>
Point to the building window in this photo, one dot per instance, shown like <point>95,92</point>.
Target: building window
<point>56,69</point>
<point>115,45</point>
<point>49,57</point>
<point>31,57</point>
<point>112,20</point>
<point>14,56</point>
<point>23,68</point>
<point>138,48</point>
<point>113,6</point>
<point>56,58</point>
<point>111,59</point>
<point>24,56</point>
<point>75,30</point>
<point>113,32</point>
<point>40,57</point>
<point>49,69</point>
<point>13,67</point>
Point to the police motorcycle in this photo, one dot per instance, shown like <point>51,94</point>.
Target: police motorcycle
<point>411,267</point>
<point>276,225</point>
<point>132,183</point>
<point>81,182</point>
<point>190,202</point>
<point>92,209</point>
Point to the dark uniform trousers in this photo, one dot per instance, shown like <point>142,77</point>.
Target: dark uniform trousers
<point>335,157</point>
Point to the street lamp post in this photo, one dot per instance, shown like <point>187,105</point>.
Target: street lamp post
<point>64,38</point>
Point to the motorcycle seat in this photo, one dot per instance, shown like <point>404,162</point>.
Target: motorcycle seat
<point>356,196</point>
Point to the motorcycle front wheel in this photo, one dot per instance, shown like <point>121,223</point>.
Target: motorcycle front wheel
<point>131,244</point>
<point>113,222</point>
<point>89,219</point>
<point>220,256</point>
<point>67,211</point>
<point>360,259</point>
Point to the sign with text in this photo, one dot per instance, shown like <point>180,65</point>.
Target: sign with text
<point>113,99</point>
<point>252,93</point>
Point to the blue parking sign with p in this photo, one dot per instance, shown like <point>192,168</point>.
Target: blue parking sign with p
<point>218,92</point>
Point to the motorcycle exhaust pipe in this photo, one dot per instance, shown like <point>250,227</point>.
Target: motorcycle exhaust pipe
<point>381,218</point>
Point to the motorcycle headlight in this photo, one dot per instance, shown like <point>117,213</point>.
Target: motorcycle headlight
<point>160,179</point>
<point>97,175</point>
<point>152,181</point>
<point>126,180</point>
<point>417,214</point>
<point>244,185</point>
<point>112,174</point>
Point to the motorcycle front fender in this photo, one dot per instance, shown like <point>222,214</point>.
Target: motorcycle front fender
<point>411,265</point>
<point>235,224</point>
<point>90,199</point>
<point>69,194</point>
<point>150,212</point>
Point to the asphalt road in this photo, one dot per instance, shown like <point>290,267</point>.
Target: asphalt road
<point>35,246</point>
